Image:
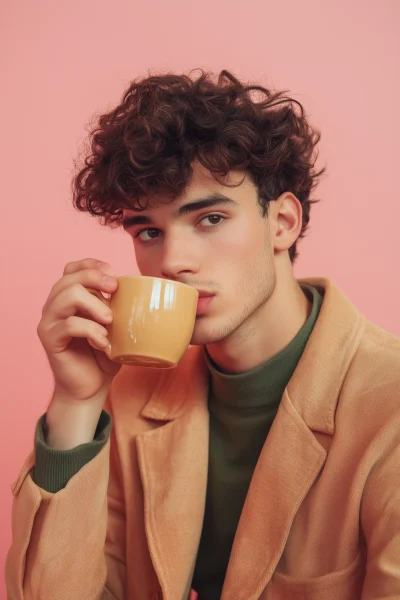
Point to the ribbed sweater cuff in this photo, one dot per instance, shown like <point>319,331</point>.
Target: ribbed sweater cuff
<point>54,468</point>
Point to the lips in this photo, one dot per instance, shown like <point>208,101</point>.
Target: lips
<point>203,303</point>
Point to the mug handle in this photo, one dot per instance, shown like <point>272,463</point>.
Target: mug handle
<point>105,301</point>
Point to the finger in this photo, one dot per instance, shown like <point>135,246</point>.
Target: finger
<point>57,338</point>
<point>89,263</point>
<point>87,278</point>
<point>77,299</point>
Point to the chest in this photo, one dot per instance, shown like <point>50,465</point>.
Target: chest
<point>298,535</point>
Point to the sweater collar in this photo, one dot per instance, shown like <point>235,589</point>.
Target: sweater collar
<point>264,385</point>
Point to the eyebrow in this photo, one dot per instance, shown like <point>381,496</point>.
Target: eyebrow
<point>182,211</point>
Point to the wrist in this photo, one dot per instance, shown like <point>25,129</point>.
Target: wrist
<point>70,423</point>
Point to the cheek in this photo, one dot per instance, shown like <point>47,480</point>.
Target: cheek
<point>241,245</point>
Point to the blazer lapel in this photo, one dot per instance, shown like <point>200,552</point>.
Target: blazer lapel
<point>173,463</point>
<point>292,458</point>
<point>289,463</point>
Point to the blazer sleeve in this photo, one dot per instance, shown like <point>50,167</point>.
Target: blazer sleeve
<point>380,520</point>
<point>69,544</point>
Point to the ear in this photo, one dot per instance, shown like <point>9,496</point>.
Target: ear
<point>285,216</point>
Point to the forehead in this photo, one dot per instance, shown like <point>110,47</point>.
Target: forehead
<point>234,185</point>
<point>237,185</point>
<point>202,178</point>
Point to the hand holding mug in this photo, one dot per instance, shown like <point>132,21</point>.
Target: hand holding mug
<point>73,330</point>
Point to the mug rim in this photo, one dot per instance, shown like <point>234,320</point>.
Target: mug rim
<point>177,283</point>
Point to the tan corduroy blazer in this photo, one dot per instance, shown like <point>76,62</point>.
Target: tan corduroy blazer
<point>322,516</point>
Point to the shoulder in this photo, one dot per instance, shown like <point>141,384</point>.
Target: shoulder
<point>373,379</point>
<point>378,355</point>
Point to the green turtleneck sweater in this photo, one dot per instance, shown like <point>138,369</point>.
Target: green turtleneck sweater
<point>242,408</point>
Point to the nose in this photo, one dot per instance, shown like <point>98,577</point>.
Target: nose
<point>180,256</point>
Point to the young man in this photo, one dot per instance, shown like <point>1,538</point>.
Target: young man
<point>267,464</point>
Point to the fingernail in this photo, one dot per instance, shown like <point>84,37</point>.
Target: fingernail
<point>109,281</point>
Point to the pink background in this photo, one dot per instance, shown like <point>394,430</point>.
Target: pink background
<point>63,61</point>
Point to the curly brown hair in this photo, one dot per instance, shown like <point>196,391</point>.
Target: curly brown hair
<point>146,146</point>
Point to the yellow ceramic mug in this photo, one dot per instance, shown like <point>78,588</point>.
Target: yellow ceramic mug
<point>153,321</point>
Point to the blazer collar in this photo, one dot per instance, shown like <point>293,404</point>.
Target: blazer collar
<point>315,385</point>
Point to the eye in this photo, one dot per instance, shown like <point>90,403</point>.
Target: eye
<point>146,235</point>
<point>213,220</point>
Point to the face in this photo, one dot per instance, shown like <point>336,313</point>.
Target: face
<point>216,239</point>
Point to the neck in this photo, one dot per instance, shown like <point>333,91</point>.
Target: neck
<point>266,331</point>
